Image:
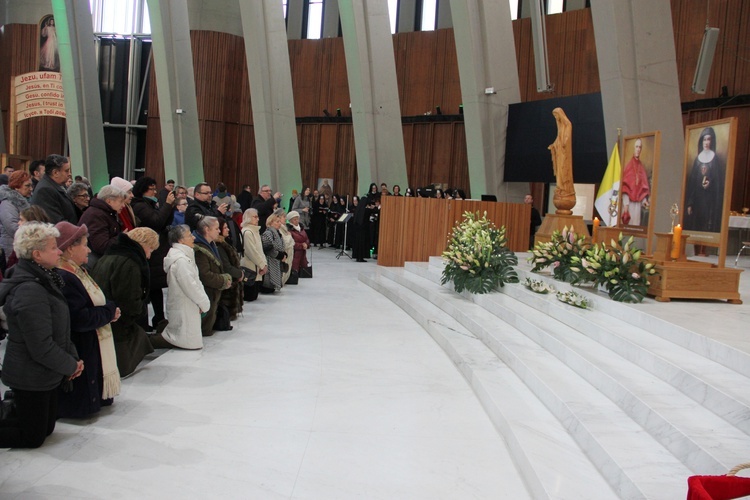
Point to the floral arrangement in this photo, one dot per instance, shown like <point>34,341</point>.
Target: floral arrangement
<point>563,253</point>
<point>618,268</point>
<point>573,298</point>
<point>478,258</point>
<point>538,286</point>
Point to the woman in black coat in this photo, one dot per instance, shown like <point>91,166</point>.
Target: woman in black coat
<point>39,355</point>
<point>90,316</point>
<point>318,229</point>
<point>123,275</point>
<point>146,208</point>
<point>334,213</point>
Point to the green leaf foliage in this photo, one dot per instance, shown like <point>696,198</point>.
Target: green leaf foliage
<point>477,258</point>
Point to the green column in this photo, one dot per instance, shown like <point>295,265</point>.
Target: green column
<point>83,108</point>
<point>175,79</point>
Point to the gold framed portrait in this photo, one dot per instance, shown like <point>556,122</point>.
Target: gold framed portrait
<point>637,194</point>
<point>707,182</point>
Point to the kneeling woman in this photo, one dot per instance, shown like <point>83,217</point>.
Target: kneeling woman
<point>90,317</point>
<point>210,269</point>
<point>39,355</point>
<point>124,276</point>
<point>186,299</point>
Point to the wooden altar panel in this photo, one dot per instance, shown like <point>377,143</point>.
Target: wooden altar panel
<point>414,229</point>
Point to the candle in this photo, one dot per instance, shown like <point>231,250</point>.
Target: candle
<point>595,231</point>
<point>676,242</point>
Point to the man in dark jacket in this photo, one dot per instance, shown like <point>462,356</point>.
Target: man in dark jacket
<point>265,205</point>
<point>203,205</point>
<point>50,193</point>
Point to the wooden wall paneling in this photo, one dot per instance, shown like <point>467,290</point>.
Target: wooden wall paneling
<point>345,176</point>
<point>212,146</point>
<point>307,60</point>
<point>36,137</point>
<point>311,136</point>
<point>231,164</point>
<point>441,163</point>
<point>414,229</point>
<point>525,60</point>
<point>236,82</point>
<point>326,152</point>
<point>392,226</point>
<point>740,187</point>
<point>741,83</point>
<point>154,162</point>
<point>408,132</point>
<point>245,110</point>
<point>460,160</point>
<point>400,50</point>
<point>335,76</point>
<point>449,94</point>
<point>419,74</point>
<point>560,73</point>
<point>247,169</point>
<point>420,154</point>
<point>584,56</point>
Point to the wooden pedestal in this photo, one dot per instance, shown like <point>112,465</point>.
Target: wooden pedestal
<point>553,222</point>
<point>681,278</point>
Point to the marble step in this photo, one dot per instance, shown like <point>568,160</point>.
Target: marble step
<point>715,386</point>
<point>639,316</point>
<point>549,460</point>
<point>610,438</point>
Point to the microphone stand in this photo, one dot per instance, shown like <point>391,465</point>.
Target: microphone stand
<point>346,230</point>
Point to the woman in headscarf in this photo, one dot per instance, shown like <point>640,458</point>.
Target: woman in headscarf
<point>186,299</point>
<point>123,274</point>
<point>126,215</point>
<point>301,241</point>
<point>210,269</point>
<point>39,354</point>
<point>90,317</point>
<point>253,257</point>
<point>273,248</point>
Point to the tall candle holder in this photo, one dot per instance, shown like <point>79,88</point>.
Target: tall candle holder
<point>673,213</point>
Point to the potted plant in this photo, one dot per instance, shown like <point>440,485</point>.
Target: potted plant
<point>477,258</point>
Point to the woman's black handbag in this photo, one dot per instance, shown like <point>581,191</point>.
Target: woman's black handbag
<point>293,278</point>
<point>306,272</point>
<point>222,322</point>
<point>249,274</point>
<point>284,267</point>
<point>8,407</point>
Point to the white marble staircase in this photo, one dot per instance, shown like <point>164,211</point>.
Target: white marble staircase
<point>603,403</point>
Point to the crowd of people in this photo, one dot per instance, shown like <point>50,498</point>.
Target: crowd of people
<point>81,271</point>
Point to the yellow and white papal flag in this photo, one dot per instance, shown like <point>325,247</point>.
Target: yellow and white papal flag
<point>609,190</point>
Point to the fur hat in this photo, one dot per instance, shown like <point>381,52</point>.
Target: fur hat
<point>69,234</point>
<point>121,184</point>
<point>291,215</point>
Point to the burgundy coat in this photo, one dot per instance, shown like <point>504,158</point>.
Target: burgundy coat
<point>300,253</point>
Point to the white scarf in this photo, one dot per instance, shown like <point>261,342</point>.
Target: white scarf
<point>110,372</point>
